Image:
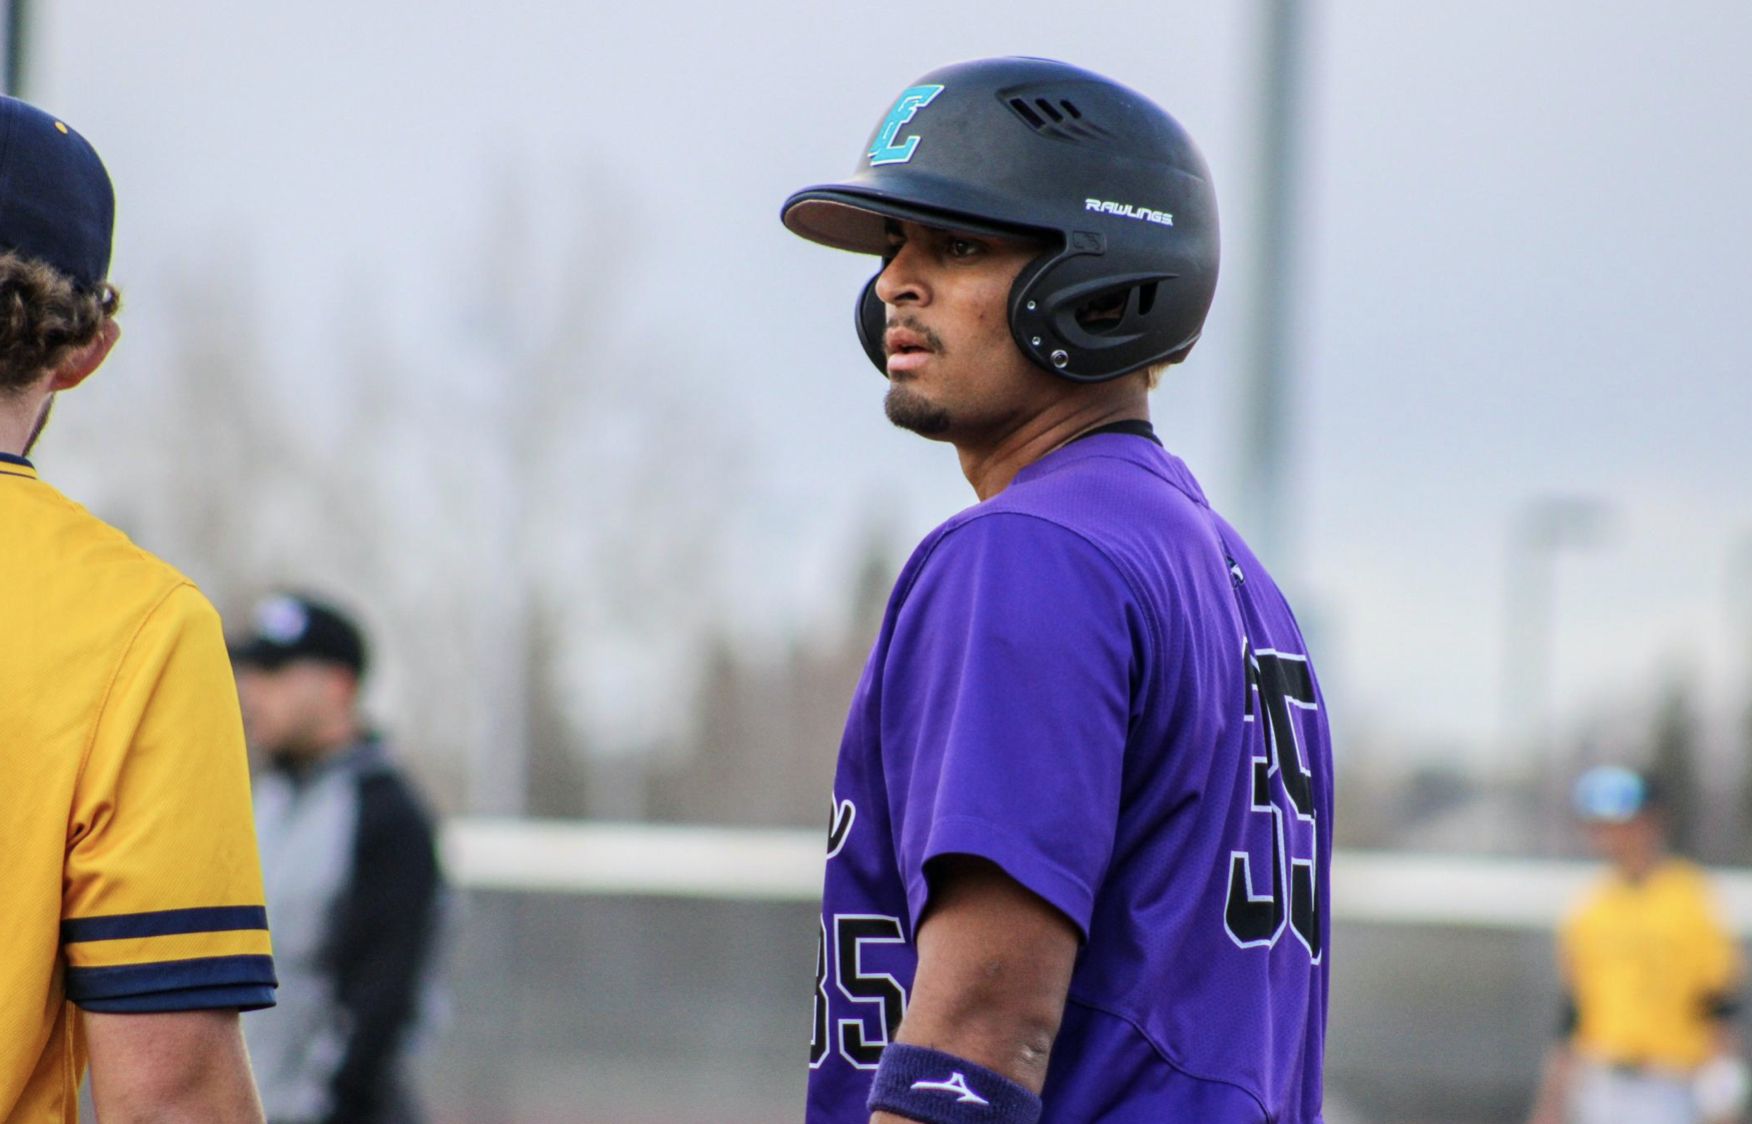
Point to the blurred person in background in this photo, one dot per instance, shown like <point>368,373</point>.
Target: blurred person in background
<point>350,863</point>
<point>1650,977</point>
<point>131,924</point>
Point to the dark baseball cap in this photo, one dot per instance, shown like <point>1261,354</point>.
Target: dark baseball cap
<point>290,626</point>
<point>56,203</point>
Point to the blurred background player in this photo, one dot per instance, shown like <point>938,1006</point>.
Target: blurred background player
<point>348,856</point>
<point>1083,803</point>
<point>1650,975</point>
<point>133,926</point>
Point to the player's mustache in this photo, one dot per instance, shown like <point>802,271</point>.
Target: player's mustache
<point>914,325</point>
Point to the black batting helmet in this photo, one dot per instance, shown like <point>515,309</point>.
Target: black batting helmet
<point>1036,148</point>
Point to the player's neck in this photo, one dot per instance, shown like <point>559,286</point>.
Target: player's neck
<point>320,744</point>
<point>1637,870</point>
<point>990,464</point>
<point>20,415</point>
<point>343,733</point>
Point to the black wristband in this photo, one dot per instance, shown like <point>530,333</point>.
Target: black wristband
<point>937,1088</point>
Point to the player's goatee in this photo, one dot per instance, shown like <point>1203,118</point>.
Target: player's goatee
<point>908,409</point>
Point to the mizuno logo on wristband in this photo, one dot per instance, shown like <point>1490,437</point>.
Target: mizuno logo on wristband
<point>955,1084</point>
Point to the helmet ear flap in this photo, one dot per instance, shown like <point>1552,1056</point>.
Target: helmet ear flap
<point>1048,307</point>
<point>872,320</point>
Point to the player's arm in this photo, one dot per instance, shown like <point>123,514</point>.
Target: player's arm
<point>385,929</point>
<point>1556,1073</point>
<point>170,1067</point>
<point>1007,829</point>
<point>1722,1085</point>
<point>163,929</point>
<point>1557,1070</point>
<point>994,966</point>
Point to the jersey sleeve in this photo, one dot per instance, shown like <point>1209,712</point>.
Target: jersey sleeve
<point>1717,957</point>
<point>383,936</point>
<point>162,905</point>
<point>1007,695</point>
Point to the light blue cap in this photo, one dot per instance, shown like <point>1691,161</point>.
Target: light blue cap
<point>1610,794</point>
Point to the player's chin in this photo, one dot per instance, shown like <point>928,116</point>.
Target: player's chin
<point>908,409</point>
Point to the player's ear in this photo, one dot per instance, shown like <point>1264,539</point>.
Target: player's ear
<point>78,366</point>
<point>343,687</point>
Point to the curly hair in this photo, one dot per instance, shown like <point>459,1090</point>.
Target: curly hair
<point>45,317</point>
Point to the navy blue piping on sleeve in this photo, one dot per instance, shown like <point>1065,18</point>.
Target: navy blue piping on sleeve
<point>245,982</point>
<point>164,923</point>
<point>243,997</point>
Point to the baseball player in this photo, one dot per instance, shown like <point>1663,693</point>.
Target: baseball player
<point>133,928</point>
<point>1651,977</point>
<point>1078,851</point>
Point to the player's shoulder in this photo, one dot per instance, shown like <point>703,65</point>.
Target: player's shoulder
<point>1685,880</point>
<point>1109,510</point>
<point>1590,901</point>
<point>1682,871</point>
<point>65,535</point>
<point>1103,490</point>
<point>1108,476</point>
<point>81,569</point>
<point>994,536</point>
<point>391,805</point>
<point>1676,883</point>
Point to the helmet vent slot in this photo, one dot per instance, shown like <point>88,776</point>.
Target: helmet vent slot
<point>1058,118</point>
<point>1146,297</point>
<point>1034,119</point>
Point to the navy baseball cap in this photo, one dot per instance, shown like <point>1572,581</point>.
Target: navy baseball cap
<point>56,203</point>
<point>289,626</point>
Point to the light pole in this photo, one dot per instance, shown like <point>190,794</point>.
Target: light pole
<point>1739,617</point>
<point>1542,529</point>
<point>17,31</point>
<point>1265,408</point>
<point>1740,607</point>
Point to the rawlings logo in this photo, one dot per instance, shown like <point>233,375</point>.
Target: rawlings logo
<point>1128,211</point>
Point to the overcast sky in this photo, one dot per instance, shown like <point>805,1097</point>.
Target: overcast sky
<point>1524,266</point>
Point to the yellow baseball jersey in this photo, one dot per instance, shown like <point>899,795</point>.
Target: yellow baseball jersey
<point>131,878</point>
<point>1649,965</point>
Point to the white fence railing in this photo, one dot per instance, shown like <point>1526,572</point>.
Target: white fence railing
<point>572,857</point>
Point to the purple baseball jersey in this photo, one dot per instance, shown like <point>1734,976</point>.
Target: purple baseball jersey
<point>1090,681</point>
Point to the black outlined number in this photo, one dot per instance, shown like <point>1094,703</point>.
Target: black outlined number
<point>818,1038</point>
<point>851,932</point>
<point>1281,682</point>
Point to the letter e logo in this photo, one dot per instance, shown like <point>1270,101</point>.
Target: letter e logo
<point>889,147</point>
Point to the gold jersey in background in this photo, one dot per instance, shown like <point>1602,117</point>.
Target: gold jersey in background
<point>131,881</point>
<point>1649,966</point>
